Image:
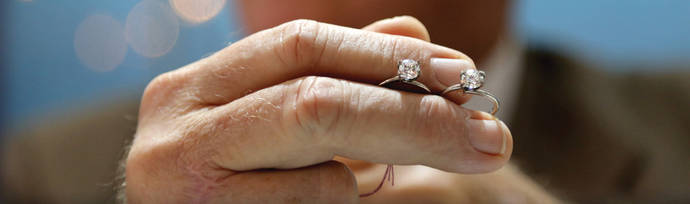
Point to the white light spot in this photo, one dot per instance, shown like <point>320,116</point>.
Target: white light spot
<point>197,11</point>
<point>151,28</point>
<point>99,42</point>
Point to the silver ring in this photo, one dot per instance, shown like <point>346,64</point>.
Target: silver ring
<point>408,71</point>
<point>470,82</point>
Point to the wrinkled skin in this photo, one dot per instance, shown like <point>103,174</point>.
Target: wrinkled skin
<point>263,120</point>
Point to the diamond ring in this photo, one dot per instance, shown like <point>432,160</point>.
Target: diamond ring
<point>408,71</point>
<point>470,82</point>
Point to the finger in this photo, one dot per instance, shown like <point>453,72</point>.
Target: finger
<point>309,120</point>
<point>400,25</point>
<point>301,48</point>
<point>330,182</point>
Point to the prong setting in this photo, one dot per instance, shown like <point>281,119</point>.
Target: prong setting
<point>472,79</point>
<point>408,70</point>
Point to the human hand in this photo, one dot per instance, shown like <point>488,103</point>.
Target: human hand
<point>262,119</point>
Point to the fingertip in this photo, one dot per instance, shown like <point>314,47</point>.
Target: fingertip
<point>447,71</point>
<point>489,145</point>
<point>401,25</point>
<point>492,139</point>
<point>507,139</point>
<point>486,136</point>
<point>480,115</point>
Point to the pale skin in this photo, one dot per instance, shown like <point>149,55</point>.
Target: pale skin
<point>263,120</point>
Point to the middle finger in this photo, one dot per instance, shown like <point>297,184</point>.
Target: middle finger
<point>309,120</point>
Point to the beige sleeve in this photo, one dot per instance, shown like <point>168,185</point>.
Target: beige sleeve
<point>69,157</point>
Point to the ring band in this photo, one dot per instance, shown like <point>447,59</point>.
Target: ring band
<point>470,82</point>
<point>408,71</point>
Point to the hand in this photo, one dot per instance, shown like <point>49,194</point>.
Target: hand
<point>259,121</point>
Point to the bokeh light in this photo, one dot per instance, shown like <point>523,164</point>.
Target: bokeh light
<point>99,42</point>
<point>152,28</point>
<point>197,11</point>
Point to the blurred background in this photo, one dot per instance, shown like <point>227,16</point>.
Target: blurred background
<point>61,56</point>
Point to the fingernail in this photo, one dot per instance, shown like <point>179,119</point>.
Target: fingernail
<point>388,19</point>
<point>447,71</point>
<point>506,135</point>
<point>488,136</point>
<point>481,115</point>
<point>392,18</point>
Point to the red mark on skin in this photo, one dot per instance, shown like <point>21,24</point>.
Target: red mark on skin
<point>390,175</point>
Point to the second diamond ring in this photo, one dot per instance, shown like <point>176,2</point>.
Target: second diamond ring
<point>470,82</point>
<point>408,71</point>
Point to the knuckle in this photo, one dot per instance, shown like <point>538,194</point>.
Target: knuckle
<point>437,126</point>
<point>158,84</point>
<point>433,107</point>
<point>399,47</point>
<point>299,42</point>
<point>170,93</point>
<point>319,104</point>
<point>158,91</point>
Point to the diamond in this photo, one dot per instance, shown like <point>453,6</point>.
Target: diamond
<point>471,79</point>
<point>408,69</point>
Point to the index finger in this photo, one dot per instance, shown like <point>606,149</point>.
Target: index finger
<point>304,47</point>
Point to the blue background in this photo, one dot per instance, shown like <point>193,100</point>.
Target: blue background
<point>41,72</point>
